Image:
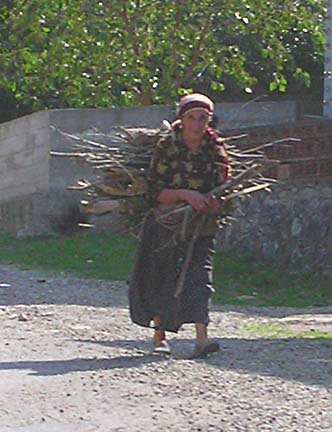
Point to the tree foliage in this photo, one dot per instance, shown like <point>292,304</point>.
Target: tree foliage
<point>79,53</point>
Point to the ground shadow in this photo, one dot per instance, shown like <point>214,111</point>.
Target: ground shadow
<point>303,360</point>
<point>300,359</point>
<point>19,287</point>
<point>296,359</point>
<point>134,344</point>
<point>63,367</point>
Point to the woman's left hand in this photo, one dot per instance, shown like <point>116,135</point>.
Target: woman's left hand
<point>215,205</point>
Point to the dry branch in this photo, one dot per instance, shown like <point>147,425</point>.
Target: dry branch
<point>122,159</point>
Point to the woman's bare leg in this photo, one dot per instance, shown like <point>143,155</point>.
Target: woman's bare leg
<point>159,338</point>
<point>203,346</point>
<point>201,333</point>
<point>159,335</point>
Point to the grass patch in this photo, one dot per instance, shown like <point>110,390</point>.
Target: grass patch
<point>89,256</point>
<point>279,331</point>
<point>241,280</point>
<point>238,280</point>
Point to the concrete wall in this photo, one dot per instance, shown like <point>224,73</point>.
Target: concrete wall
<point>253,114</point>
<point>231,116</point>
<point>24,156</point>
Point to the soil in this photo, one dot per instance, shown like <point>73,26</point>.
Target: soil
<point>72,361</point>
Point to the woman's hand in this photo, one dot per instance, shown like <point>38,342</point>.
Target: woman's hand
<point>216,205</point>
<point>202,203</point>
<point>206,203</point>
<point>198,201</point>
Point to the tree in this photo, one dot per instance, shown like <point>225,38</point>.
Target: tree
<point>60,53</point>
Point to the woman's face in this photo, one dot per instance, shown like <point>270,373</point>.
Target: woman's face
<point>194,124</point>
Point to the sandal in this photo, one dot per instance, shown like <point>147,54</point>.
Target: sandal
<point>161,347</point>
<point>202,351</point>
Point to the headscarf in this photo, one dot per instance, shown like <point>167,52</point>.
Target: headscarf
<point>199,101</point>
<point>195,101</point>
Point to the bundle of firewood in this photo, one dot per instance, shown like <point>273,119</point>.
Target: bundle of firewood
<point>121,159</point>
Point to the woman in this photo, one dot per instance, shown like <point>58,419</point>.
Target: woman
<point>186,166</point>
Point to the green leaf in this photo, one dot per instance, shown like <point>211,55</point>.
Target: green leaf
<point>307,79</point>
<point>283,81</point>
<point>159,49</point>
<point>265,53</point>
<point>273,86</point>
<point>217,86</point>
<point>183,91</point>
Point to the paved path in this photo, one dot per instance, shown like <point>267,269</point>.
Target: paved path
<point>71,361</point>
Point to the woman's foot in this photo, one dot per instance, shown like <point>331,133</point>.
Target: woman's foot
<point>203,346</point>
<point>202,350</point>
<point>161,347</point>
<point>160,344</point>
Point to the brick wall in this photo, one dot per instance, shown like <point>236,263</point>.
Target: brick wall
<point>308,158</point>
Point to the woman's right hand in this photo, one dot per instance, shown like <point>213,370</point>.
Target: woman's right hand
<point>197,200</point>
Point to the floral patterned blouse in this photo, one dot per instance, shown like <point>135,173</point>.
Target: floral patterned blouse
<point>175,166</point>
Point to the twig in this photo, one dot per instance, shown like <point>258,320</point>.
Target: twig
<point>189,254</point>
<point>270,144</point>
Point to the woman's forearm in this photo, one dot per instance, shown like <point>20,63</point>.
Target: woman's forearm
<point>197,200</point>
<point>173,196</point>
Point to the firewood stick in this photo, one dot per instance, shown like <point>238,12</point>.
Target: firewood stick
<point>189,254</point>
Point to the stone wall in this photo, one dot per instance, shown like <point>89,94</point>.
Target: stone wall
<point>291,227</point>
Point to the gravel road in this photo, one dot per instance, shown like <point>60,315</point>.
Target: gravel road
<point>71,361</point>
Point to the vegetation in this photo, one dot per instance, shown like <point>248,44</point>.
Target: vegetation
<point>79,53</point>
<point>284,331</point>
<point>238,280</point>
<point>88,256</point>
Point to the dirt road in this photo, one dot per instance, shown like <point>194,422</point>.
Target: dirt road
<point>71,361</point>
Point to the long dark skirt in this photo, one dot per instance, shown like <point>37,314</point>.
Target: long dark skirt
<point>153,281</point>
